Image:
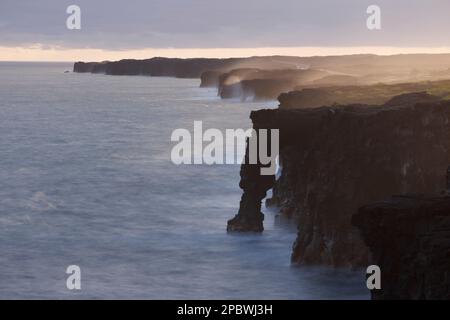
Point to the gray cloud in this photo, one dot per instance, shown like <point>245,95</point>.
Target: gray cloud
<point>134,24</point>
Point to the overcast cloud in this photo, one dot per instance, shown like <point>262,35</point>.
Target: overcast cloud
<point>135,24</point>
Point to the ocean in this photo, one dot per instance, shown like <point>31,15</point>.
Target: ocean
<point>87,180</point>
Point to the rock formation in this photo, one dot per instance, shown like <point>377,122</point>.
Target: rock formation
<point>366,68</point>
<point>185,68</point>
<point>265,78</point>
<point>255,186</point>
<point>157,67</point>
<point>409,238</point>
<point>337,159</point>
<point>312,97</point>
<point>264,84</point>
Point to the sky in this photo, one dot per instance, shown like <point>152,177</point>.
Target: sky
<point>111,29</point>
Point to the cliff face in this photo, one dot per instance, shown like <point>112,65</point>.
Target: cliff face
<point>367,68</point>
<point>186,68</point>
<point>335,160</point>
<point>259,84</point>
<point>265,78</point>
<point>157,67</point>
<point>409,238</point>
<point>90,67</point>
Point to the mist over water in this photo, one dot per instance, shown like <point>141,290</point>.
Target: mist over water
<point>86,179</point>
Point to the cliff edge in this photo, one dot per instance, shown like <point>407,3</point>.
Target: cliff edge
<point>335,160</point>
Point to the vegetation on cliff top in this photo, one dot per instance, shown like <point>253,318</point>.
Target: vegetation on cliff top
<point>372,94</point>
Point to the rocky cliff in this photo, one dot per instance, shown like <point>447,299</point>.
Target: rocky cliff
<point>337,159</point>
<point>186,68</point>
<point>260,84</point>
<point>157,67</point>
<point>378,93</point>
<point>265,78</point>
<point>409,238</point>
<point>373,68</point>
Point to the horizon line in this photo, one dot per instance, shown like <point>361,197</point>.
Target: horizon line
<point>57,54</point>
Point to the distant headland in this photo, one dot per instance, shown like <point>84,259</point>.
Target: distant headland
<point>266,77</point>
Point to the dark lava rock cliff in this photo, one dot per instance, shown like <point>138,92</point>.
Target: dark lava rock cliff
<point>156,67</point>
<point>260,84</point>
<point>186,68</point>
<point>335,160</point>
<point>409,238</point>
